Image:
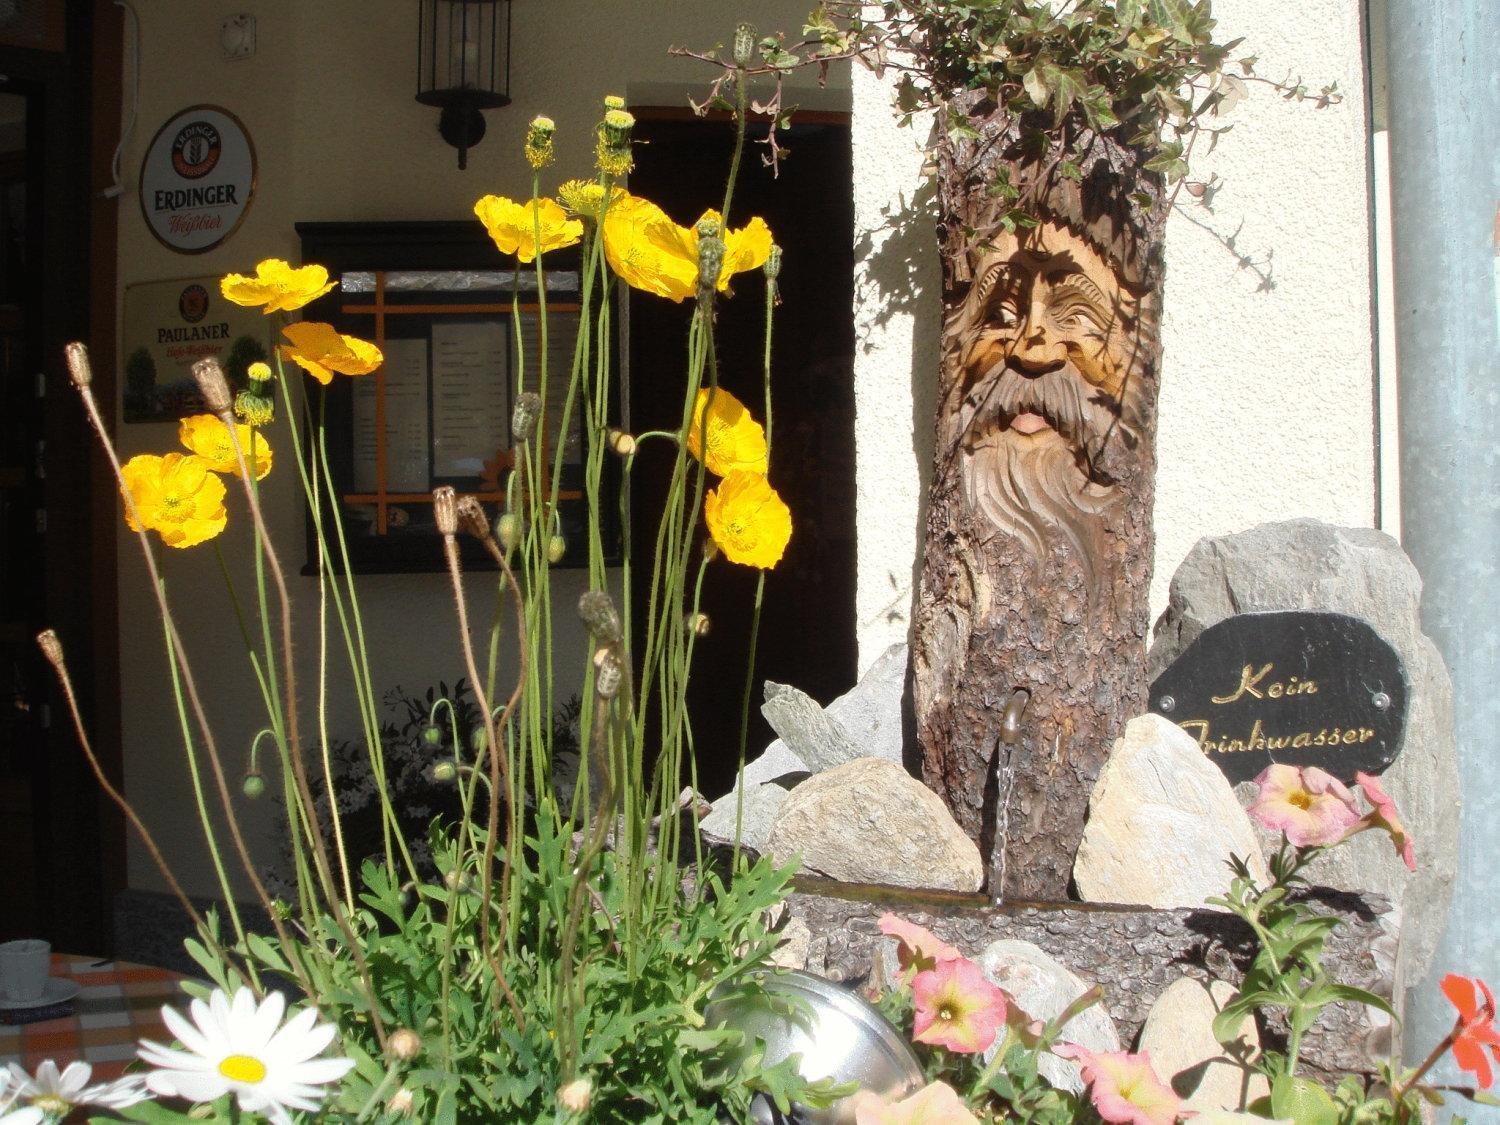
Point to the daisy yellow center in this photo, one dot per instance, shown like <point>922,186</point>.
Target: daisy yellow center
<point>51,1104</point>
<point>243,1068</point>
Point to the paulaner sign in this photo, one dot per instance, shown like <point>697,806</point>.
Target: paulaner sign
<point>197,179</point>
<point>1304,688</point>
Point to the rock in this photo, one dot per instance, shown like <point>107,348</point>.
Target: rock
<point>762,803</point>
<point>1042,988</point>
<point>1305,564</point>
<point>869,821</point>
<point>870,714</point>
<point>810,732</point>
<point>1163,823</point>
<point>870,711</point>
<point>1178,1035</point>
<point>795,944</point>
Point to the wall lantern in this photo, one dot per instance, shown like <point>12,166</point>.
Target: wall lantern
<point>463,65</point>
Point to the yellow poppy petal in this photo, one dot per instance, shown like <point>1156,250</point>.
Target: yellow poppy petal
<point>748,520</point>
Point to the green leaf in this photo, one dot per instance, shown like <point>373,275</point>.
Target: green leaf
<point>1128,14</point>
<point>1348,994</point>
<point>1036,87</point>
<point>1303,1101</point>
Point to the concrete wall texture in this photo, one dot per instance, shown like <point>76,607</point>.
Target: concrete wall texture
<point>1267,396</point>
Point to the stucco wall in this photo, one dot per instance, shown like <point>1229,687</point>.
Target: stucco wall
<point>1267,397</point>
<point>328,100</point>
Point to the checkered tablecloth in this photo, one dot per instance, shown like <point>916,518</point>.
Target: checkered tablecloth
<point>120,1004</point>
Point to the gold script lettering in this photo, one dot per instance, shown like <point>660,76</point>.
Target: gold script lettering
<point>1247,683</point>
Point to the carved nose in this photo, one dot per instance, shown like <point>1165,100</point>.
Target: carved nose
<point>1035,354</point>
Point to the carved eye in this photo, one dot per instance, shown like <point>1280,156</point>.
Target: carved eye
<point>1078,316</point>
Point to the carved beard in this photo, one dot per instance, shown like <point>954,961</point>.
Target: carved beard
<point>1048,486</point>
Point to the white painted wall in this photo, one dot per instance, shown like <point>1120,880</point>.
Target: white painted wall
<point>328,100</point>
<point>1267,398</point>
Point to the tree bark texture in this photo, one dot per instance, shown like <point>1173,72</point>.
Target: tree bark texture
<point>1038,544</point>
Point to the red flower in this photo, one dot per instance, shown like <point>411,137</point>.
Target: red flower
<point>1475,1029</point>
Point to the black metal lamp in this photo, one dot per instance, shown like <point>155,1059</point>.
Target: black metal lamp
<point>463,65</point>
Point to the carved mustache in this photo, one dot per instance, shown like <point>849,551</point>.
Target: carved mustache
<point>1081,413</point>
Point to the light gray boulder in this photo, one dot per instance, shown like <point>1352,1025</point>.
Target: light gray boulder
<point>1043,988</point>
<point>1308,565</point>
<point>869,821</point>
<point>1163,823</point>
<point>762,803</point>
<point>1178,1035</point>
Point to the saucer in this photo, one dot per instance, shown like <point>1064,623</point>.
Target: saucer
<point>57,990</point>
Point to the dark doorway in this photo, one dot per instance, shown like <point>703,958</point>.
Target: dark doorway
<point>61,853</point>
<point>807,633</point>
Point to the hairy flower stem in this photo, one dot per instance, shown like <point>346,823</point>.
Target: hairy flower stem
<point>294,738</point>
<point>82,376</point>
<point>52,648</point>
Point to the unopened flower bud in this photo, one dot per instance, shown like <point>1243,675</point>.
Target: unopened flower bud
<point>744,44</point>
<point>523,418</point>
<point>557,547</point>
<point>259,372</point>
<point>698,624</point>
<point>597,611</point>
<point>508,530</point>
<point>404,1044</point>
<point>432,736</point>
<point>621,442</point>
<point>401,1103</point>
<point>710,256</point>
<point>607,673</point>
<point>445,509</point>
<point>445,771</point>
<point>773,262</point>
<point>457,881</point>
<point>479,740</point>
<point>539,141</point>
<point>710,549</point>
<point>613,101</point>
<point>576,1096</point>
<point>208,372</point>
<point>254,785</point>
<point>79,368</point>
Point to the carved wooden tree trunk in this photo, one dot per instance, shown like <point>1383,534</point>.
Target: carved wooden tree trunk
<point>1038,542</point>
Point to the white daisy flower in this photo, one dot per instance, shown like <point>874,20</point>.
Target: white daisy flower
<point>236,1047</point>
<point>56,1094</point>
<point>28,1115</point>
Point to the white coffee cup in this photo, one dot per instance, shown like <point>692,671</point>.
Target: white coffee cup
<point>23,969</point>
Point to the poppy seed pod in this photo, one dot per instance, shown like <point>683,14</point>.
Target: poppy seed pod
<point>607,674</point>
<point>79,368</point>
<point>471,517</point>
<point>773,262</point>
<point>613,101</point>
<point>710,257</point>
<point>445,509</point>
<point>208,373</point>
<point>254,409</point>
<point>539,141</point>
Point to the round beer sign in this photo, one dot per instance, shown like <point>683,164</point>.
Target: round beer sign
<point>197,179</point>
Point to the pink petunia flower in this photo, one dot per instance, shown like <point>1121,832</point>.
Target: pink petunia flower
<point>1385,817</point>
<point>1312,807</point>
<point>1123,1087</point>
<point>917,949</point>
<point>934,1104</point>
<point>957,1007</point>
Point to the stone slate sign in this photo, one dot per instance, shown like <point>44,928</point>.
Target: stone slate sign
<point>1302,688</point>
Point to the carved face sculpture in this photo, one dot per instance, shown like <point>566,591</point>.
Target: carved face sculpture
<point>1042,370</point>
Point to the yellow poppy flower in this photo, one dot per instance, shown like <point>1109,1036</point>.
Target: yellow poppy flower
<point>277,285</point>
<point>177,497</point>
<point>585,198</point>
<point>513,225</point>
<point>652,253</point>
<point>321,350</point>
<point>208,437</point>
<point>735,439</point>
<point>749,522</point>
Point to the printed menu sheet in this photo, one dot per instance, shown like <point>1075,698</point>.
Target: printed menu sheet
<point>470,401</point>
<point>405,374</point>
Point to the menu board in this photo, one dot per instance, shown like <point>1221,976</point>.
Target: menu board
<point>404,375</point>
<point>470,399</point>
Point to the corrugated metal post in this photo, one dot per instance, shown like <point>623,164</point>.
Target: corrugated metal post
<point>1444,115</point>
